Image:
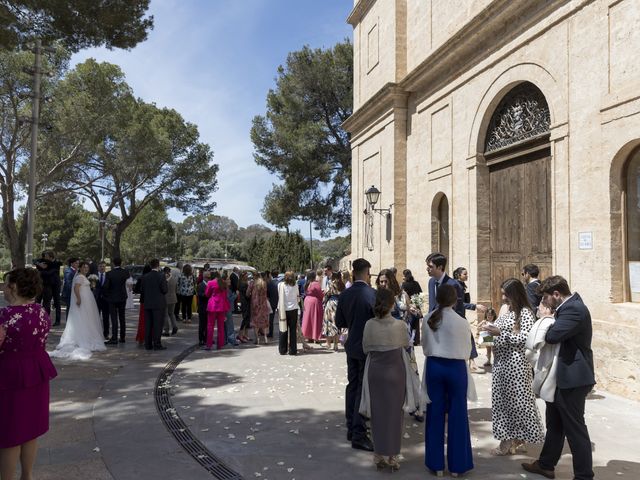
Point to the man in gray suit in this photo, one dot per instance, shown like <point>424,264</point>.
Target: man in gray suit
<point>153,295</point>
<point>574,380</point>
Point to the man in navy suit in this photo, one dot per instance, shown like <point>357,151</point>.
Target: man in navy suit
<point>355,307</point>
<point>115,292</point>
<point>530,274</point>
<point>436,264</point>
<point>574,380</point>
<point>101,301</point>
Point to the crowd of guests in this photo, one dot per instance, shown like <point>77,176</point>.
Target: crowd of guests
<point>549,356</point>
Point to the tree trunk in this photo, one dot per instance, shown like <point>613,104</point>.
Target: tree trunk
<point>15,238</point>
<point>115,247</point>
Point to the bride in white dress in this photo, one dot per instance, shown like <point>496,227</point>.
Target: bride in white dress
<point>83,330</point>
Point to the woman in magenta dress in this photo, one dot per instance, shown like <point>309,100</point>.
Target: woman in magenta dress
<point>313,311</point>
<point>259,306</point>
<point>217,308</point>
<point>25,372</point>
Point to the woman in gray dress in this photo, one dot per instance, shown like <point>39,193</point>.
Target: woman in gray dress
<point>384,340</point>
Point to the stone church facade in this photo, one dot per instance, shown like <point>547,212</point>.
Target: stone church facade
<point>502,133</point>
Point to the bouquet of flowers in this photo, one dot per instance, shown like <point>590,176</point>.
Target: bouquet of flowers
<point>418,300</point>
<point>93,279</point>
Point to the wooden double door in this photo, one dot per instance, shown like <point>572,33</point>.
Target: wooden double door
<point>520,192</point>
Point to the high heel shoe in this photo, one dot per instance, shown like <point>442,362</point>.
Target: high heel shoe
<point>506,447</point>
<point>379,461</point>
<point>394,464</point>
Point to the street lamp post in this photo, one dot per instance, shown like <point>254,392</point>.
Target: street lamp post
<point>35,114</point>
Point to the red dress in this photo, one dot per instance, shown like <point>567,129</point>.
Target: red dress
<point>140,331</point>
<point>25,371</point>
<point>313,312</point>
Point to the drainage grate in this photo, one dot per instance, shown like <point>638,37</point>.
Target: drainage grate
<point>179,429</point>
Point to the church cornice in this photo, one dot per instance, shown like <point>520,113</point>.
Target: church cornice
<point>494,27</point>
<point>389,96</point>
<point>360,9</point>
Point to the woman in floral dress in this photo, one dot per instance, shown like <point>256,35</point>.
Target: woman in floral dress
<point>25,371</point>
<point>259,306</point>
<point>329,329</point>
<point>515,416</point>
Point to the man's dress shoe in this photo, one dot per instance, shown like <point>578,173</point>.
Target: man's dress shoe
<point>534,467</point>
<point>113,341</point>
<point>362,444</point>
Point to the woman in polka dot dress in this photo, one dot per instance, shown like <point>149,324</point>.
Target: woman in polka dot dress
<point>515,416</point>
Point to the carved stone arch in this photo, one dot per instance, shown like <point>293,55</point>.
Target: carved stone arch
<point>620,291</point>
<point>507,81</point>
<point>440,224</point>
<point>522,115</point>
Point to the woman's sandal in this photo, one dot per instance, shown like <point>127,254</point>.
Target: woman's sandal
<point>394,464</point>
<point>379,461</point>
<point>506,447</point>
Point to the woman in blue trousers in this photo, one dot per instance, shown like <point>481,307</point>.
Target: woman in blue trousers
<point>445,342</point>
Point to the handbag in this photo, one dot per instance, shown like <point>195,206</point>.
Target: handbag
<point>343,337</point>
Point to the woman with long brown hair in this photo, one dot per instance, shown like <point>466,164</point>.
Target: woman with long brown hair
<point>259,306</point>
<point>330,303</point>
<point>514,413</point>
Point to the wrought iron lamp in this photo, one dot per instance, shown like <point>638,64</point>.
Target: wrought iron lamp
<point>373,195</point>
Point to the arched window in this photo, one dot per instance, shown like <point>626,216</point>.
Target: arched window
<point>440,225</point>
<point>632,211</point>
<point>521,116</point>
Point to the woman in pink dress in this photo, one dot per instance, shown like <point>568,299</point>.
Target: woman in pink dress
<point>25,371</point>
<point>217,308</point>
<point>259,306</point>
<point>313,311</point>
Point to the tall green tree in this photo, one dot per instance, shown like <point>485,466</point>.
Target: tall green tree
<point>127,153</point>
<point>15,105</point>
<point>281,252</point>
<point>300,139</point>
<point>150,235</point>
<point>76,23</point>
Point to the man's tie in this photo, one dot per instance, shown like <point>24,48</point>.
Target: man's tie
<point>101,278</point>
<point>437,286</point>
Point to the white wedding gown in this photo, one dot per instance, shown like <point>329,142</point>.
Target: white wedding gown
<point>83,330</point>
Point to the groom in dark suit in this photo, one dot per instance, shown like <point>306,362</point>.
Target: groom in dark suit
<point>436,264</point>
<point>115,292</point>
<point>101,301</point>
<point>574,380</point>
<point>152,294</point>
<point>355,307</point>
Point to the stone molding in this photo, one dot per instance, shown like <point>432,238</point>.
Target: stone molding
<point>359,11</point>
<point>389,96</point>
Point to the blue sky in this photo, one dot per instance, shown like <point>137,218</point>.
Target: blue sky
<point>214,62</point>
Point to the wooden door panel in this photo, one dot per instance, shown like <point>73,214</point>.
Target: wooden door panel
<point>506,209</point>
<point>537,194</point>
<point>520,218</point>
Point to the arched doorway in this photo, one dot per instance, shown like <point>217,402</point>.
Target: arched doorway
<point>631,185</point>
<point>518,156</point>
<point>440,224</point>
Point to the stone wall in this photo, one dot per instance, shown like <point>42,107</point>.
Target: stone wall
<point>419,134</point>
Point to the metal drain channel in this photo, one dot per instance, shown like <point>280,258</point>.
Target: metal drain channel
<point>179,430</point>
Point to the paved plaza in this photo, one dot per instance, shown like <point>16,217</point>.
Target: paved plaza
<point>264,416</point>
